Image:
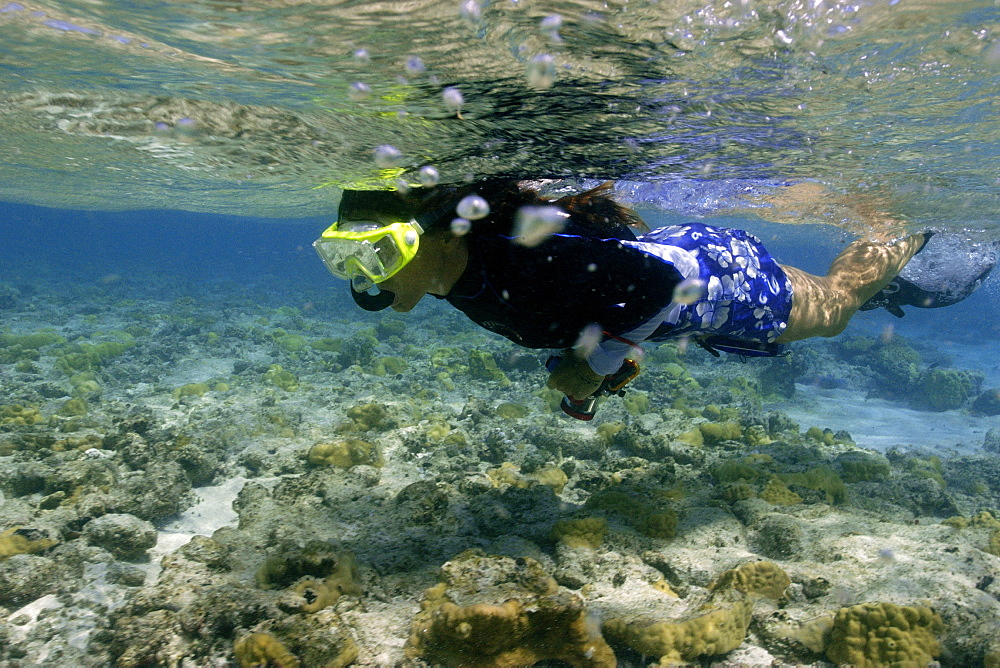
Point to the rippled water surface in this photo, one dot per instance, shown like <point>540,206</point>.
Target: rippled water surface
<point>249,106</point>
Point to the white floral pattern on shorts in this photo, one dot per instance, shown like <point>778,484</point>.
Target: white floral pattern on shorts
<point>747,294</point>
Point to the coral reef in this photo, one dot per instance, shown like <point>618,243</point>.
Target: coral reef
<point>498,611</point>
<point>945,389</point>
<point>879,634</point>
<point>230,479</point>
<point>344,453</point>
<point>718,625</point>
<point>125,536</point>
<point>20,540</point>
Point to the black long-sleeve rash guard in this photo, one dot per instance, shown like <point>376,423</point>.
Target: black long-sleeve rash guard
<point>543,297</point>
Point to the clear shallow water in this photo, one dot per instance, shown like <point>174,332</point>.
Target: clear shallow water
<point>247,107</point>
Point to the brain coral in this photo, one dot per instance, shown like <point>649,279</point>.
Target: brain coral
<point>498,611</point>
<point>880,634</point>
<point>718,630</point>
<point>761,578</point>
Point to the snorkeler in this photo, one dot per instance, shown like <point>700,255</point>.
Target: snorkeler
<point>596,281</point>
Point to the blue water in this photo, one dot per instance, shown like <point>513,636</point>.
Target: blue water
<point>273,259</point>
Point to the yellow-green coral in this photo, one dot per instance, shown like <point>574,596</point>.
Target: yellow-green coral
<point>260,650</point>
<point>190,390</point>
<point>777,493</point>
<point>734,471</point>
<point>636,403</point>
<point>369,417</point>
<point>389,366</point>
<point>279,377</point>
<point>317,559</point>
<point>17,540</point>
<point>344,454</point>
<point>482,366</point>
<point>946,389</point>
<point>511,614</point>
<point>16,414</point>
<point>74,407</point>
<point>86,356</point>
<point>84,383</point>
<point>717,627</point>
<point>861,466</point>
<point>645,518</point>
<point>993,547</point>
<point>30,341</point>
<point>738,491</point>
<point>291,343</point>
<point>585,532</point>
<point>24,347</point>
<point>661,524</point>
<point>824,436</point>
<point>318,594</point>
<point>760,578</point>
<point>607,430</point>
<point>757,435</point>
<point>328,345</point>
<point>693,437</point>
<point>881,634</point>
<point>511,411</point>
<point>982,520</point>
<point>714,432</point>
<point>820,479</point>
<point>510,474</point>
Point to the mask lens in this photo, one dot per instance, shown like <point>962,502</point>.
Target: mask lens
<point>388,254</point>
<point>360,282</point>
<point>346,257</point>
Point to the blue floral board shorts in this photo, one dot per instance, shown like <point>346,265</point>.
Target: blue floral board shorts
<point>747,294</point>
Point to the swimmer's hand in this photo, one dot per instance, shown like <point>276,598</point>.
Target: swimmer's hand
<point>574,377</point>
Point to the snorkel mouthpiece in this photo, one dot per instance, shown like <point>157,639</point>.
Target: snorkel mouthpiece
<point>378,301</point>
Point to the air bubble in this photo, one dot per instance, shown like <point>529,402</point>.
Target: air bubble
<point>428,176</point>
<point>550,26</point>
<point>473,207</point>
<point>461,226</point>
<point>689,291</point>
<point>414,65</point>
<point>453,99</point>
<point>358,91</point>
<point>542,71</point>
<point>535,224</point>
<point>387,156</point>
<point>470,10</point>
<point>590,337</point>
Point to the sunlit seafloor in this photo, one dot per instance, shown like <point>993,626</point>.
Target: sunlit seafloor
<point>208,455</point>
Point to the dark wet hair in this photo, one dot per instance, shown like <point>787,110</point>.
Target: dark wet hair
<point>592,213</point>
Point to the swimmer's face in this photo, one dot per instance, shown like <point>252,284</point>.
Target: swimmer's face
<point>440,260</point>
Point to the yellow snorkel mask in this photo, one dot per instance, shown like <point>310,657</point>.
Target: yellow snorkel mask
<point>377,233</point>
<point>366,252</point>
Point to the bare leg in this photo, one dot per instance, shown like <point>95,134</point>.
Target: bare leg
<point>823,305</point>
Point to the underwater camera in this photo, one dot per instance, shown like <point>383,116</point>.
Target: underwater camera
<point>586,408</point>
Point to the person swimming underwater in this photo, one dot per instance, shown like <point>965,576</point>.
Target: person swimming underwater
<point>602,283</point>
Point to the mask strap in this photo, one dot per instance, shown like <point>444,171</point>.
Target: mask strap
<point>373,302</point>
